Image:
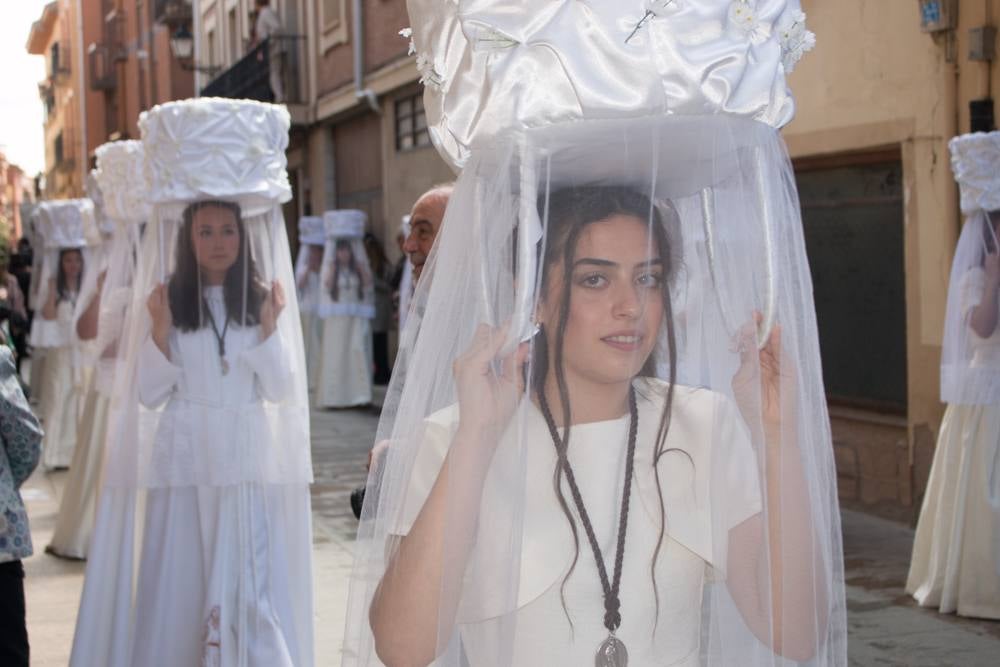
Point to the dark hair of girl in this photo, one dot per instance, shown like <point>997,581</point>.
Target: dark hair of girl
<point>568,212</point>
<point>62,286</point>
<point>184,287</point>
<point>352,266</point>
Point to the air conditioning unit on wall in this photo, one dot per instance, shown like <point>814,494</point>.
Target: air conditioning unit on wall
<point>938,15</point>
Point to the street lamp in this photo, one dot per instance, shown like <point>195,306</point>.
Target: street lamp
<point>182,46</point>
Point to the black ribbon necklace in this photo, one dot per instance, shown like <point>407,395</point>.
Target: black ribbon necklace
<point>220,338</point>
<point>611,652</point>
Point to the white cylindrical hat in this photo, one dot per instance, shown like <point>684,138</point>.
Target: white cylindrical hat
<point>209,148</point>
<point>345,223</point>
<point>975,160</point>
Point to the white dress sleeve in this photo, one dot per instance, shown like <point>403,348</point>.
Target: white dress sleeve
<point>157,376</point>
<point>272,370</point>
<point>973,286</point>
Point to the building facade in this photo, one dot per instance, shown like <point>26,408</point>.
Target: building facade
<point>58,36</point>
<point>16,190</point>
<point>106,62</point>
<point>359,136</point>
<point>887,86</point>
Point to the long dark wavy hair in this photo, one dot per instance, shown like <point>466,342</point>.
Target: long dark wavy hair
<point>352,266</point>
<point>62,285</point>
<point>569,212</point>
<point>184,287</point>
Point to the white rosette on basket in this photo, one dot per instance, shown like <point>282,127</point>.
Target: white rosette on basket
<point>209,420</point>
<point>606,431</point>
<point>346,278</point>
<point>970,355</point>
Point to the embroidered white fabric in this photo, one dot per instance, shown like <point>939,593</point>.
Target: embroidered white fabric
<point>492,65</point>
<point>975,161</point>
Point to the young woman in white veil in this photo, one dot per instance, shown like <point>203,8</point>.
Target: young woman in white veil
<point>202,547</point>
<point>63,382</point>
<point>956,552</point>
<point>611,445</point>
<point>100,317</point>
<point>307,281</point>
<point>347,307</point>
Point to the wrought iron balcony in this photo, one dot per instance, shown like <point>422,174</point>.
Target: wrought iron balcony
<point>103,73</point>
<point>172,12</point>
<point>251,76</point>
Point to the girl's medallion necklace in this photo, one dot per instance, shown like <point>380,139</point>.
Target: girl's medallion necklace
<point>220,338</point>
<point>611,652</point>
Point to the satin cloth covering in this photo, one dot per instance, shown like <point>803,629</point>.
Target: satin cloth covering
<point>718,193</point>
<point>202,544</point>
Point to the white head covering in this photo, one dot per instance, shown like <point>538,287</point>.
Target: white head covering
<point>347,288</point>
<point>222,416</point>
<point>970,361</point>
<point>647,134</point>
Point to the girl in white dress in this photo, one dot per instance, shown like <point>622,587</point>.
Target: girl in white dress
<point>202,546</point>
<point>307,281</point>
<point>956,551</point>
<point>347,308</point>
<point>554,491</point>
<point>119,177</point>
<point>63,386</point>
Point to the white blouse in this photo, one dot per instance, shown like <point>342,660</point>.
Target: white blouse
<point>709,486</point>
<point>212,427</point>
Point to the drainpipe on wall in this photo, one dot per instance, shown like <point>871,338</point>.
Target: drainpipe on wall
<point>357,39</point>
<point>85,162</point>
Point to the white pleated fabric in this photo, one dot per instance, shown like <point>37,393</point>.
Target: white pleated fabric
<point>202,545</point>
<point>687,285</point>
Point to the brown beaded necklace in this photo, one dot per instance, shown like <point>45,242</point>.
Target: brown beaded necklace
<point>611,652</point>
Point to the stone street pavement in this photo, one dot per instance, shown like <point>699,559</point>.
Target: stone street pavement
<point>886,628</point>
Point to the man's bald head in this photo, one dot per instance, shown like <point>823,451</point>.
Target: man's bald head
<point>425,221</point>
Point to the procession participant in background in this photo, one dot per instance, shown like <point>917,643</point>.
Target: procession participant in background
<point>312,238</point>
<point>380,271</point>
<point>347,308</point>
<point>956,551</point>
<point>202,549</point>
<point>68,252</point>
<point>119,175</point>
<point>402,276</point>
<point>549,495</point>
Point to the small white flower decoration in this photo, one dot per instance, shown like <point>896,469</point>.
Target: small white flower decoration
<point>795,39</point>
<point>431,69</point>
<point>407,33</point>
<point>743,18</point>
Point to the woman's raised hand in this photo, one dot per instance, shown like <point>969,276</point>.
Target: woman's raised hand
<point>489,387</point>
<point>158,305</point>
<point>271,308</point>
<point>757,385</point>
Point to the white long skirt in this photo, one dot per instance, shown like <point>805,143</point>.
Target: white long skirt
<point>346,367</point>
<point>60,411</point>
<point>75,520</point>
<point>956,553</point>
<point>224,579</point>
<point>312,341</point>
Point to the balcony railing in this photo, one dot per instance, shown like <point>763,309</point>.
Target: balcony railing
<point>172,12</point>
<point>103,73</point>
<point>251,76</point>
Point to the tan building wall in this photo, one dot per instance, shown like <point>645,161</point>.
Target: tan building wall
<point>62,95</point>
<point>877,85</point>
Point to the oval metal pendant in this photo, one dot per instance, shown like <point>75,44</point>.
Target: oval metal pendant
<point>225,367</point>
<point>611,653</point>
